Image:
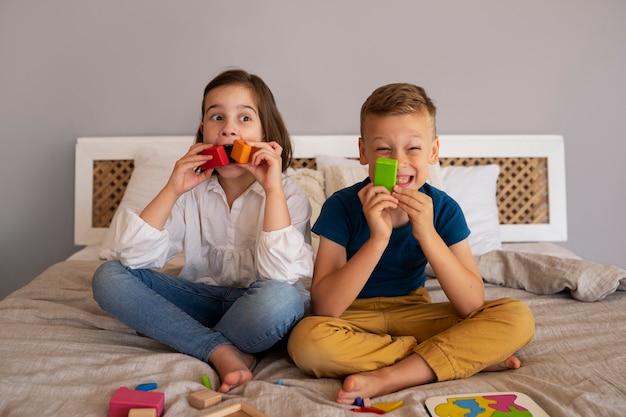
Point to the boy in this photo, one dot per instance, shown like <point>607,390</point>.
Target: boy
<point>374,323</point>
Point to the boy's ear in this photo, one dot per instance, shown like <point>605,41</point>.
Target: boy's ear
<point>362,155</point>
<point>434,153</point>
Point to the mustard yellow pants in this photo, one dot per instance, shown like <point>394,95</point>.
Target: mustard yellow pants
<point>377,332</point>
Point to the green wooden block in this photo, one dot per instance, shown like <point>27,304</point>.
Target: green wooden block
<point>386,172</point>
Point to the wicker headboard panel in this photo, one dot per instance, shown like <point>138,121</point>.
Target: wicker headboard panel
<point>521,193</point>
<point>530,189</point>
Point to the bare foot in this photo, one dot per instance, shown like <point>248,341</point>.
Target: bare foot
<point>232,365</point>
<point>409,372</point>
<point>512,362</point>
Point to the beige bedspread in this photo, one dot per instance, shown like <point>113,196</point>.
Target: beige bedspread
<point>61,355</point>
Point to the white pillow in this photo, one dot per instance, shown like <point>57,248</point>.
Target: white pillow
<point>153,168</point>
<point>326,161</point>
<point>474,188</point>
<point>312,182</point>
<point>342,172</point>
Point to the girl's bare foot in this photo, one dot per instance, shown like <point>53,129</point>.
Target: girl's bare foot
<point>512,362</point>
<point>409,372</point>
<point>232,365</point>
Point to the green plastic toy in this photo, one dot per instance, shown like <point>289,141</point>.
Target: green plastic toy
<point>385,172</point>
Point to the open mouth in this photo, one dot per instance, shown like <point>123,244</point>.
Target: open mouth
<point>404,180</point>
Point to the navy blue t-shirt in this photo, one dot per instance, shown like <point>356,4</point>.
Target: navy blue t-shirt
<point>401,267</point>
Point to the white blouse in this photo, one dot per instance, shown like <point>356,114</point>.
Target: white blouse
<point>222,246</point>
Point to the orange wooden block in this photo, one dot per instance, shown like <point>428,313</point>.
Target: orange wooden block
<point>204,398</point>
<point>241,152</point>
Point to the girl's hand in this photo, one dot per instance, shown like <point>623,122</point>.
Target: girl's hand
<point>184,176</point>
<point>419,208</point>
<point>266,164</point>
<point>376,200</point>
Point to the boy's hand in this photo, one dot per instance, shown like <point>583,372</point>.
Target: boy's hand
<point>419,208</point>
<point>376,200</point>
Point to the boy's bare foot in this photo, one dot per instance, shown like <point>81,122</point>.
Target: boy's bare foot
<point>409,372</point>
<point>232,365</point>
<point>512,362</point>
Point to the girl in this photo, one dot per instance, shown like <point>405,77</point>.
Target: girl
<point>245,232</point>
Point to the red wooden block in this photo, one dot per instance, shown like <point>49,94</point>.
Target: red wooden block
<point>124,399</point>
<point>220,158</point>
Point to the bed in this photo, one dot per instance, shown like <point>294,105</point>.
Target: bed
<point>61,355</point>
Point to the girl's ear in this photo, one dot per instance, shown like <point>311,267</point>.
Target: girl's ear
<point>362,153</point>
<point>434,152</point>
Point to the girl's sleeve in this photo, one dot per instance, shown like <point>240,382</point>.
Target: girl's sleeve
<point>139,245</point>
<point>287,254</point>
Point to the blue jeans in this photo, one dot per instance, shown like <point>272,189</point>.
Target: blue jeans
<point>196,318</point>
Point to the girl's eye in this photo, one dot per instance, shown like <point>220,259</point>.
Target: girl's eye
<point>245,118</point>
<point>217,117</point>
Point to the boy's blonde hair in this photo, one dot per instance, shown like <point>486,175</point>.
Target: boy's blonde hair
<point>398,99</point>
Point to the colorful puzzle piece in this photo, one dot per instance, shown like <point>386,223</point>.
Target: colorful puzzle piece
<point>368,410</point>
<point>484,405</point>
<point>504,402</point>
<point>125,399</point>
<point>387,407</point>
<point>385,172</point>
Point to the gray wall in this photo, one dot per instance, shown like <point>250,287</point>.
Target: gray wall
<point>118,67</point>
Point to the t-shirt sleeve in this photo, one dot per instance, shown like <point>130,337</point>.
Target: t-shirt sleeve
<point>449,220</point>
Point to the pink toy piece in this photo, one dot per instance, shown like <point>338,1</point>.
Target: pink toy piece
<point>220,158</point>
<point>124,400</point>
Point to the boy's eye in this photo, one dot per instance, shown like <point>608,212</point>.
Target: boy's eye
<point>383,149</point>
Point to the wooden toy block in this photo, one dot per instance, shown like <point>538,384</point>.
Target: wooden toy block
<point>204,398</point>
<point>387,407</point>
<point>386,172</point>
<point>125,399</point>
<point>241,152</point>
<point>142,412</point>
<point>240,409</point>
<point>220,158</point>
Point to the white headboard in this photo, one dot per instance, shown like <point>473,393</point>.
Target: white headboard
<point>550,147</point>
